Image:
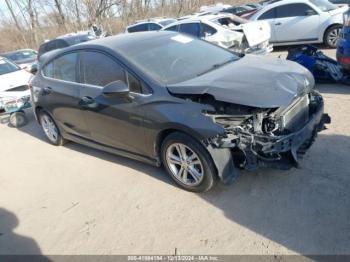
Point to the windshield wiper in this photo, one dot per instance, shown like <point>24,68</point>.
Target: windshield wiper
<point>216,66</point>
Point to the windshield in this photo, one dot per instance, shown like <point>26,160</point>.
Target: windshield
<point>7,67</point>
<point>324,5</point>
<point>21,55</point>
<point>177,58</point>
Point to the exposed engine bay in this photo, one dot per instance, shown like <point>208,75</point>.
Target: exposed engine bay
<point>275,137</point>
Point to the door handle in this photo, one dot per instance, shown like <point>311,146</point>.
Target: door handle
<point>279,23</point>
<point>47,90</point>
<point>87,101</point>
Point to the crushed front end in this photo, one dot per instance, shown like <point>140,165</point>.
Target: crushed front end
<point>275,137</point>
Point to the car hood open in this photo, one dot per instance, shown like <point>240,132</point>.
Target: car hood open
<point>255,81</point>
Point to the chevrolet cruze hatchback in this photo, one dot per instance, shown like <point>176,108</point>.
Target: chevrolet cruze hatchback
<point>199,110</point>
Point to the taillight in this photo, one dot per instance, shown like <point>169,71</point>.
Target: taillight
<point>344,60</point>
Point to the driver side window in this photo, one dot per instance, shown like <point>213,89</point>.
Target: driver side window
<point>270,14</point>
<point>100,70</point>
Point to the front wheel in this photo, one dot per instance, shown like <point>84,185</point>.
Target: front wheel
<point>331,36</point>
<point>188,162</point>
<point>50,129</point>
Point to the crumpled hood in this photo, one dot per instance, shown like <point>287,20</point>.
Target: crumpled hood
<point>14,79</point>
<point>256,81</point>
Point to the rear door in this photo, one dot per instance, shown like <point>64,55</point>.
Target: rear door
<point>113,121</point>
<point>60,93</point>
<point>296,23</point>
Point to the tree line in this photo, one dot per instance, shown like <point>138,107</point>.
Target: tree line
<point>27,23</point>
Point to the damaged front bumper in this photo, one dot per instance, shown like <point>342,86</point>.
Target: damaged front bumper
<point>250,151</point>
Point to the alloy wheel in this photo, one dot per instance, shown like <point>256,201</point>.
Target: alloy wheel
<point>184,164</point>
<point>49,128</point>
<point>333,37</point>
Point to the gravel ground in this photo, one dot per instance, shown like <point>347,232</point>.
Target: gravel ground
<point>77,200</point>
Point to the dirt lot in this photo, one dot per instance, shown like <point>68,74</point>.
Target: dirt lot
<point>76,200</point>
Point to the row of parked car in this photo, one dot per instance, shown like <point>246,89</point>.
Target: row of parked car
<point>200,110</point>
<point>289,22</point>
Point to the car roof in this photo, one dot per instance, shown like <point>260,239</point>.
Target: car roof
<point>204,18</point>
<point>112,43</point>
<point>283,2</point>
<point>151,20</point>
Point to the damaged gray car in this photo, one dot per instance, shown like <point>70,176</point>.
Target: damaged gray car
<point>202,111</point>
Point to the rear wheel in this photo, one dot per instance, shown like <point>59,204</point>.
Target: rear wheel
<point>188,162</point>
<point>331,36</point>
<point>51,130</point>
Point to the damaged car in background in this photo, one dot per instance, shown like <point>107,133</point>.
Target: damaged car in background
<point>228,31</point>
<point>196,109</point>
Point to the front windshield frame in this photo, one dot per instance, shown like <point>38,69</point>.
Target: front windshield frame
<point>324,5</point>
<point>11,67</point>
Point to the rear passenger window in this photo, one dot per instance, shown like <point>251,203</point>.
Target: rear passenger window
<point>138,28</point>
<point>63,68</point>
<point>271,14</point>
<point>207,30</point>
<point>100,70</point>
<point>191,29</point>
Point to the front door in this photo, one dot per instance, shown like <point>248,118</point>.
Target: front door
<point>295,23</point>
<point>112,120</point>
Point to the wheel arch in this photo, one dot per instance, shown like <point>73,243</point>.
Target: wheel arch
<point>222,157</point>
<point>328,27</point>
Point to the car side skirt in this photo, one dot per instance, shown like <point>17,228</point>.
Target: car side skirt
<point>112,150</point>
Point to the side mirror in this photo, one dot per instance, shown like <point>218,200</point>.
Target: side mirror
<point>310,12</point>
<point>116,88</point>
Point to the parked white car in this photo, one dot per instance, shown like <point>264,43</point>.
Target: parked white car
<point>228,31</point>
<point>302,21</point>
<point>214,8</point>
<point>14,80</point>
<point>152,24</point>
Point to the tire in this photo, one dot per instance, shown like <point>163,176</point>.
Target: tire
<point>18,119</point>
<point>50,129</point>
<point>331,35</point>
<point>198,172</point>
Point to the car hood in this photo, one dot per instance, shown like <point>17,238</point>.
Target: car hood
<point>14,79</point>
<point>255,81</point>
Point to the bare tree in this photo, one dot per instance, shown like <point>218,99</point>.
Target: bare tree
<point>58,5</point>
<point>10,8</point>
